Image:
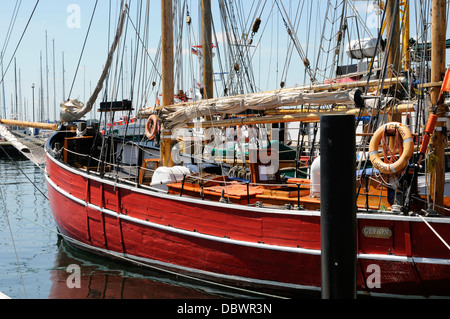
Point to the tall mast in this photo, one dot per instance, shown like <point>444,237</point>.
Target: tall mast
<point>393,36</point>
<point>3,89</point>
<point>63,78</point>
<point>406,34</point>
<point>46,75</point>
<point>41,91</point>
<point>393,43</point>
<point>208,89</point>
<point>21,107</point>
<point>438,38</point>
<point>54,82</point>
<point>167,75</point>
<point>15,116</point>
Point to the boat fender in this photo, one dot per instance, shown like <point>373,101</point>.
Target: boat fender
<point>152,127</point>
<point>408,148</point>
<point>315,178</point>
<point>166,175</point>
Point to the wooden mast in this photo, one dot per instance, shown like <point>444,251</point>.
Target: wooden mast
<point>406,61</point>
<point>393,38</point>
<point>438,68</point>
<point>167,76</point>
<point>393,43</point>
<point>208,89</point>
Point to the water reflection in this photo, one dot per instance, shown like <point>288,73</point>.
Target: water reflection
<point>44,257</point>
<point>102,278</point>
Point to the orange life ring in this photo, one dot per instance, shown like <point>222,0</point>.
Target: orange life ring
<point>408,148</point>
<point>152,127</point>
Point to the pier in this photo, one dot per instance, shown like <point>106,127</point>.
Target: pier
<point>30,147</point>
<point>3,296</point>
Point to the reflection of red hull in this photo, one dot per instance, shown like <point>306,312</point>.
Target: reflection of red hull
<point>254,247</point>
<point>111,284</point>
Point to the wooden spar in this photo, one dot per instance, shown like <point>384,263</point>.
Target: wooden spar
<point>145,113</point>
<point>302,117</point>
<point>44,126</point>
<point>167,75</point>
<point>438,38</point>
<point>393,41</point>
<point>393,36</point>
<point>208,88</point>
<point>406,36</point>
<point>167,52</point>
<point>400,108</point>
<point>430,85</point>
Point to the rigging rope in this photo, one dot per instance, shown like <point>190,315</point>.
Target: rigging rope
<point>20,40</point>
<point>10,28</point>
<point>435,232</point>
<point>296,42</point>
<point>13,242</point>
<point>82,50</point>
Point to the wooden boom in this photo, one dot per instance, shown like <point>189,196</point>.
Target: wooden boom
<point>44,126</point>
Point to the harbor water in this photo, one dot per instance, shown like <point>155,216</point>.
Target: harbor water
<point>35,263</point>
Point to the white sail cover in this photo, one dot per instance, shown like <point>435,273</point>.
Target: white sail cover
<point>362,48</point>
<point>175,117</point>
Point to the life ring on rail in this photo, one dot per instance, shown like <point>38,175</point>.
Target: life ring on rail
<point>406,148</point>
<point>152,127</point>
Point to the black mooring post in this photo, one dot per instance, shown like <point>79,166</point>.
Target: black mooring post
<point>338,206</point>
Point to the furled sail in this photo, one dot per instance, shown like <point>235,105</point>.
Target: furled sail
<point>174,117</point>
<point>73,110</point>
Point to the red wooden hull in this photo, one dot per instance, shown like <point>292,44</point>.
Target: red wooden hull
<point>258,248</point>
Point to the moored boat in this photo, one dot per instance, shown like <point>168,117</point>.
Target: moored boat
<point>260,233</point>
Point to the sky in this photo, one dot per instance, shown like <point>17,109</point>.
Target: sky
<point>64,24</point>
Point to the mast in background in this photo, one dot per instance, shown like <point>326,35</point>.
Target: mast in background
<point>54,83</point>
<point>3,89</point>
<point>63,78</point>
<point>46,76</point>
<point>41,97</point>
<point>15,113</point>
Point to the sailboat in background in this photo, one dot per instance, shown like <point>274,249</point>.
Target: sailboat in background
<point>175,209</point>
<point>16,140</point>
